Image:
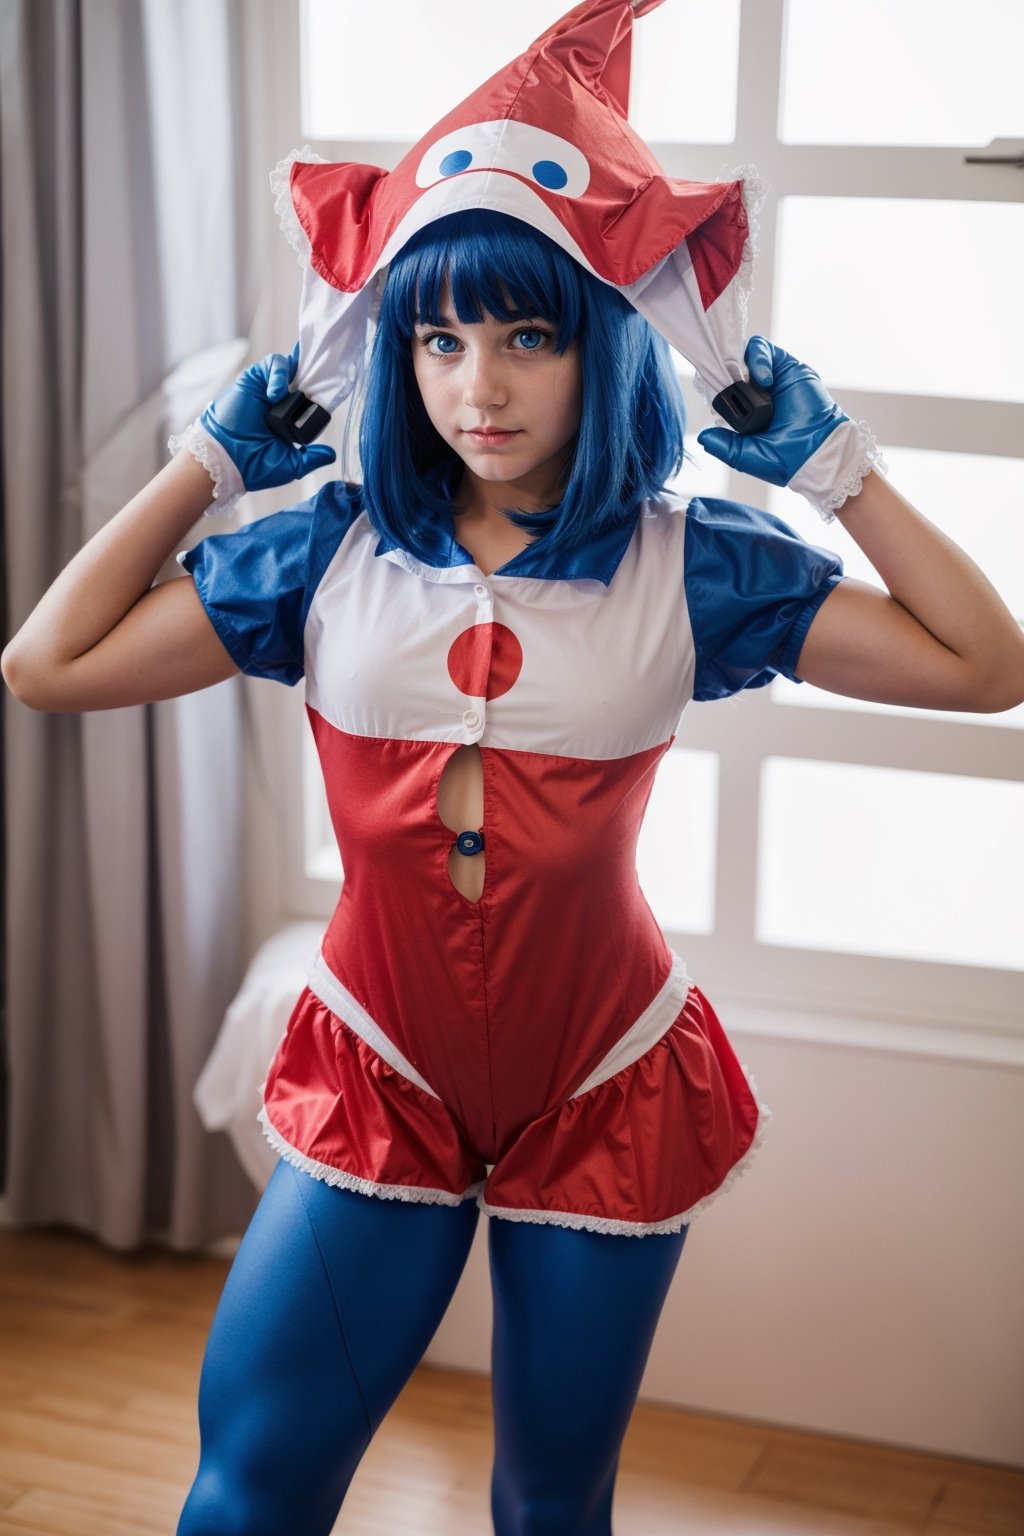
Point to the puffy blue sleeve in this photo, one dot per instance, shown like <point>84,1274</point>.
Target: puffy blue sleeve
<point>752,586</point>
<point>257,584</point>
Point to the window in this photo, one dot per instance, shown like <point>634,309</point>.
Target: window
<point>447,53</point>
<point>831,858</point>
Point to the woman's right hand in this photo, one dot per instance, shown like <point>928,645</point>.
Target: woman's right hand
<point>236,421</point>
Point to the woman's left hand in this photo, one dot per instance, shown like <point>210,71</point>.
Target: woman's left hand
<point>804,415</point>
<point>811,445</point>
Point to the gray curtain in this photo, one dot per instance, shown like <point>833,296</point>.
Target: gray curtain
<point>126,282</point>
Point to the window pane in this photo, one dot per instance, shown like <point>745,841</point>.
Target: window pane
<point>356,84</point>
<point>451,46</point>
<point>917,296</point>
<point>675,100</point>
<point>933,74</point>
<point>676,851</point>
<point>976,499</point>
<point>879,861</point>
<point>701,474</point>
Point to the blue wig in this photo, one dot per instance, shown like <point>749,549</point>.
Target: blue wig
<point>630,439</point>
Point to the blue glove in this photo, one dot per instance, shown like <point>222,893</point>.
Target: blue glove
<point>811,445</point>
<point>237,421</point>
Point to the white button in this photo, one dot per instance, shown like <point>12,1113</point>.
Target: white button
<point>471,718</point>
<point>480,591</point>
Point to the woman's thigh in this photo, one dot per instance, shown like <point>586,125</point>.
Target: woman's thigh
<point>574,1318</point>
<point>330,1303</point>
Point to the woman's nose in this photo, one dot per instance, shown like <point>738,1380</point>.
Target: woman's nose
<point>484,384</point>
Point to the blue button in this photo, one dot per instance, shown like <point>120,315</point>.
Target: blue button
<point>550,174</point>
<point>470,843</point>
<point>458,160</point>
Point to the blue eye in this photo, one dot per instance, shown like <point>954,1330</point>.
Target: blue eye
<point>445,345</point>
<point>550,174</point>
<point>458,160</point>
<point>530,340</point>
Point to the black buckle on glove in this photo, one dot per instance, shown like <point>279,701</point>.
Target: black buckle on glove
<point>744,406</point>
<point>297,419</point>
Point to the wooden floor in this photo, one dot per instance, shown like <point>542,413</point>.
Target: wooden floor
<point>99,1358</point>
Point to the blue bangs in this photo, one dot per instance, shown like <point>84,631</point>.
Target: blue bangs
<point>490,265</point>
<point>630,440</point>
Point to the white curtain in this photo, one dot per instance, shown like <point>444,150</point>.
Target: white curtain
<point>129,283</point>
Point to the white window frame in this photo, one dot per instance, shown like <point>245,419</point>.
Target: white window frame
<point>924,1007</point>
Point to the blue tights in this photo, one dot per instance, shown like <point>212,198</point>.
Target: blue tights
<point>331,1302</point>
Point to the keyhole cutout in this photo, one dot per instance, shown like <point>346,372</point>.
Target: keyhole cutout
<point>460,805</point>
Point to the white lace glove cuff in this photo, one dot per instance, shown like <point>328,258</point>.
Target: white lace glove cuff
<point>228,487</point>
<point>837,469</point>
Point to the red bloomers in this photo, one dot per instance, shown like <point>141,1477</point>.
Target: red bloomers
<point>642,1152</point>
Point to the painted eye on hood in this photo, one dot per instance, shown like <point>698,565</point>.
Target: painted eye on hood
<point>550,174</point>
<point>458,160</point>
<point>531,153</point>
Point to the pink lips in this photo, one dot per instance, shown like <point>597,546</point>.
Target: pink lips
<point>491,438</point>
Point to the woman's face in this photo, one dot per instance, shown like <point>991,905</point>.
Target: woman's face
<point>503,399</point>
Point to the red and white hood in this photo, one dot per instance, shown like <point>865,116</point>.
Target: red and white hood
<point>545,140</point>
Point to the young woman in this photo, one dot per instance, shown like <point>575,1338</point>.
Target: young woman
<point>499,630</point>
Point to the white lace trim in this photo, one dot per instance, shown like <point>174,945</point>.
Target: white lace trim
<point>755,191</point>
<point>280,186</point>
<point>615,1228</point>
<point>411,1193</point>
<point>870,458</point>
<point>228,488</point>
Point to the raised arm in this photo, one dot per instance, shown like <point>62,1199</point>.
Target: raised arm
<point>103,636</point>
<point>940,636</point>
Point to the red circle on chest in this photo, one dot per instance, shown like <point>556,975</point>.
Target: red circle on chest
<point>485,661</point>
